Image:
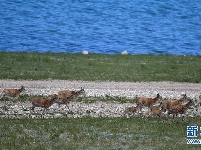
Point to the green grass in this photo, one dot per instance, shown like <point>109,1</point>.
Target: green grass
<point>96,133</point>
<point>93,67</point>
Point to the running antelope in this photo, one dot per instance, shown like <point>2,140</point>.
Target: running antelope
<point>65,96</point>
<point>43,102</point>
<point>147,101</point>
<point>13,93</point>
<point>67,93</point>
<point>179,109</point>
<point>166,104</point>
<point>156,111</point>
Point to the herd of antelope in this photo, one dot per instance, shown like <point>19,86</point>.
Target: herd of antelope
<point>172,106</point>
<point>62,97</point>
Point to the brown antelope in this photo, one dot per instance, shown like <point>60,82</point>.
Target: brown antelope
<point>179,109</point>
<point>43,102</point>
<point>13,93</point>
<point>147,101</point>
<point>171,102</point>
<point>67,93</point>
<point>156,111</point>
<point>65,96</point>
<point>131,110</point>
<point>64,99</point>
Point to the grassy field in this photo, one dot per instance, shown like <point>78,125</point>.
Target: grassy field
<point>100,67</point>
<point>96,133</point>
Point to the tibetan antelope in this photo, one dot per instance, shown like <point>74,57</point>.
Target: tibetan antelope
<point>13,93</point>
<point>64,99</point>
<point>179,109</point>
<point>156,111</point>
<point>67,93</point>
<point>147,101</point>
<point>43,102</point>
<point>166,104</point>
<point>65,96</point>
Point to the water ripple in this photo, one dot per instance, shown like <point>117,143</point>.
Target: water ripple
<point>106,27</point>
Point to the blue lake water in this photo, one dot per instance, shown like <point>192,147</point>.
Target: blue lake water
<point>101,26</point>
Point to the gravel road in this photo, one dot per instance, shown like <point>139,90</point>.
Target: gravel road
<point>97,88</point>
